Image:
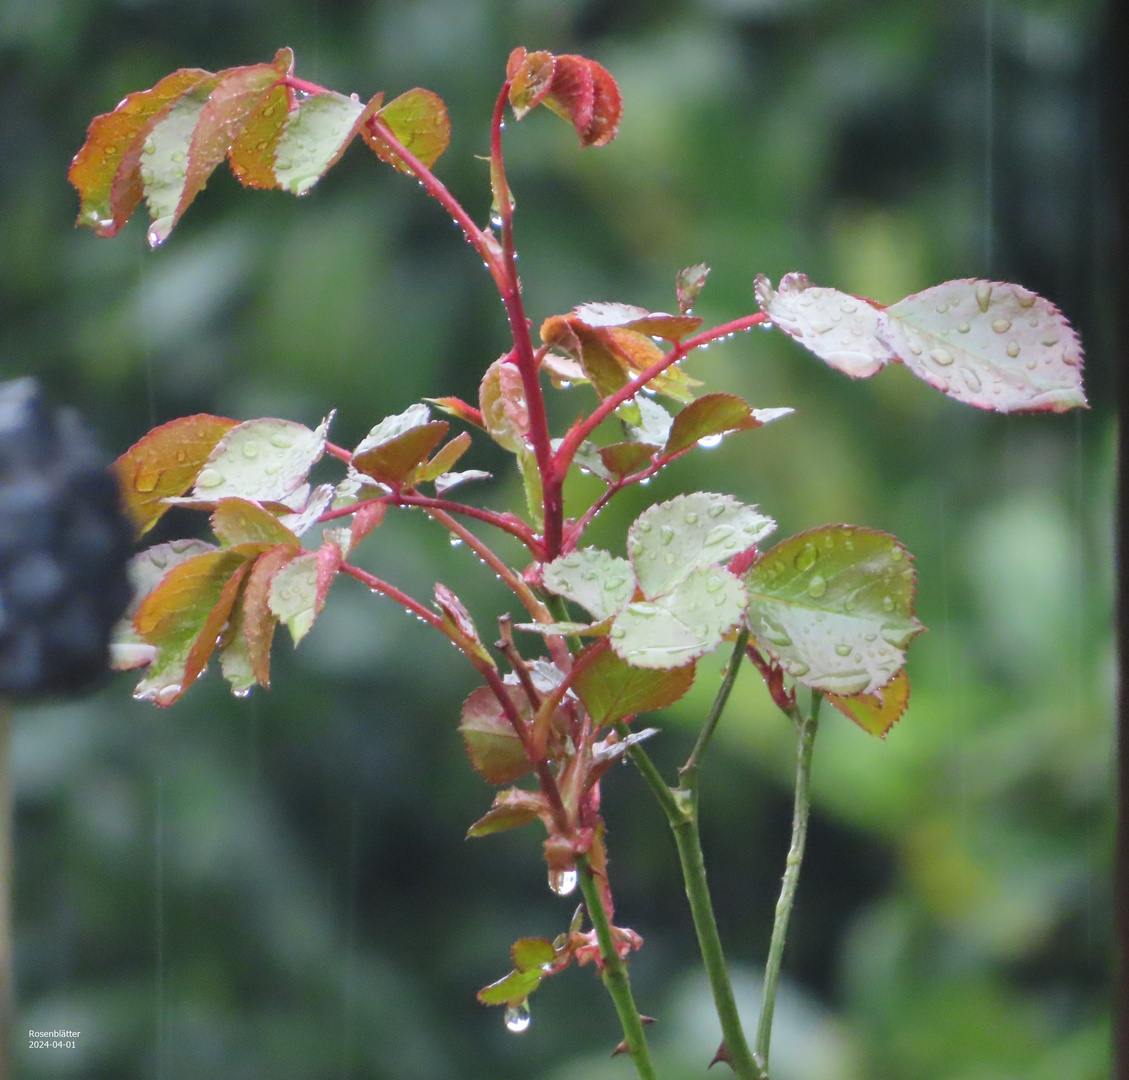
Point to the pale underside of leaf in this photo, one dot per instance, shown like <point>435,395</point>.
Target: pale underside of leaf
<point>315,136</point>
<point>293,594</point>
<point>597,580</point>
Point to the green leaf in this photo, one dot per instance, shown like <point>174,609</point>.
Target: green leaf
<point>104,171</point>
<point>840,329</point>
<point>513,989</point>
<point>712,416</point>
<point>531,482</point>
<point>165,463</point>
<point>688,284</point>
<point>992,345</point>
<point>293,596</point>
<point>444,459</point>
<point>265,461</point>
<point>494,748</point>
<point>445,481</point>
<point>235,658</point>
<point>316,134</point>
<point>532,954</point>
<point>419,121</point>
<point>675,628</point>
<point>564,629</point>
<point>670,540</point>
<point>597,580</point>
<point>392,449</point>
<point>878,712</point>
<point>612,689</point>
<point>835,607</point>
<point>240,521</point>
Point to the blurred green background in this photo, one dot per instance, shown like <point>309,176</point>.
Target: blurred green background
<point>280,886</point>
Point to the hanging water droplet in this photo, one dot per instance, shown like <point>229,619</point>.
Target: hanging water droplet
<point>517,1017</point>
<point>454,540</point>
<point>1025,298</point>
<point>167,694</point>
<point>241,691</point>
<point>898,636</point>
<point>562,882</point>
<point>817,586</point>
<point>708,442</point>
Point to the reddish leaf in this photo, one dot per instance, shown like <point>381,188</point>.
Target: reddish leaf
<point>419,121</point>
<point>505,414</point>
<point>390,462</point>
<point>457,619</point>
<point>213,625</point>
<point>624,458</point>
<point>512,809</point>
<point>712,415</point>
<point>329,560</point>
<point>530,79</point>
<point>239,97</point>
<point>165,463</point>
<point>240,521</point>
<point>612,689</point>
<point>494,748</point>
<point>104,171</point>
<point>607,108</point>
<point>572,94</point>
<point>251,155</point>
<point>454,406</point>
<point>878,712</point>
<point>258,619</point>
<point>366,519</point>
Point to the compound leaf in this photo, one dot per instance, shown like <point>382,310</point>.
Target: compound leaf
<point>670,540</point>
<point>612,689</point>
<point>419,120</point>
<point>834,606</point>
<point>165,463</point>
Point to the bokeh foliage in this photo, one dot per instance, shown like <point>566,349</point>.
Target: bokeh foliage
<point>280,887</point>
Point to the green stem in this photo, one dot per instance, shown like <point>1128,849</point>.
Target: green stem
<point>807,729</point>
<point>615,975</point>
<point>688,774</point>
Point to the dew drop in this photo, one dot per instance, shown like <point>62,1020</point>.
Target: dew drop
<point>147,479</point>
<point>887,604</point>
<point>209,478</point>
<point>618,633</point>
<point>806,557</point>
<point>251,450</point>
<point>1013,349</point>
<point>455,541</point>
<point>716,510</point>
<point>517,1017</point>
<point>563,883</point>
<point>691,518</point>
<point>666,534</point>
<point>896,554</point>
<point>1001,326</point>
<point>644,526</point>
<point>941,356</point>
<point>971,379</point>
<point>817,586</point>
<point>898,636</point>
<point>713,585</point>
<point>963,327</point>
<point>283,442</point>
<point>167,694</point>
<point>1025,298</point>
<point>843,650</point>
<point>984,296</point>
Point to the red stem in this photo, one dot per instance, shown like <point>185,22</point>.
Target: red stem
<point>567,450</point>
<point>527,365</point>
<point>402,598</point>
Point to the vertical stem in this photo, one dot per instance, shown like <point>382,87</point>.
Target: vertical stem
<point>807,729</point>
<point>615,975</point>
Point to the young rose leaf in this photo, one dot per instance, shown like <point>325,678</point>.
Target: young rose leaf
<point>146,570</point>
<point>595,579</point>
<point>166,462</point>
<point>444,459</point>
<point>392,449</point>
<point>670,540</point>
<point>511,809</point>
<point>239,521</point>
<point>612,689</point>
<point>457,618</point>
<point>878,712</point>
<point>613,748</point>
<point>531,954</point>
<point>182,617</point>
<point>293,596</point>
<point>494,748</point>
<point>531,482</point>
<point>419,121</point>
<point>259,620</point>
<point>236,99</point>
<point>454,406</point>
<point>607,108</point>
<point>501,398</point>
<point>629,317</point>
<point>713,416</point>
<point>625,458</point>
<point>653,425</point>
<point>105,170</point>
<point>306,516</point>
<point>840,329</point>
<point>366,519</point>
<point>265,461</point>
<point>530,76</point>
<point>562,629</point>
<point>315,135</point>
<point>992,345</point>
<point>688,284</point>
<point>513,989</point>
<point>446,481</point>
<point>678,626</point>
<point>572,93</point>
<point>834,606</point>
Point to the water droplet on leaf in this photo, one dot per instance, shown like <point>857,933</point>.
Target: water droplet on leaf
<point>941,356</point>
<point>817,586</point>
<point>806,557</point>
<point>209,478</point>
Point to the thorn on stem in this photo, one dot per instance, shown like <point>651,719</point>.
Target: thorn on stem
<point>721,1055</point>
<point>622,1047</point>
